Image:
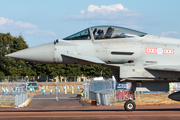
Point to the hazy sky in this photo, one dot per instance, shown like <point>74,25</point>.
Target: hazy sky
<point>43,21</point>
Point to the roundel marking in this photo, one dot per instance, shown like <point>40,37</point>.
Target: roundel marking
<point>159,51</point>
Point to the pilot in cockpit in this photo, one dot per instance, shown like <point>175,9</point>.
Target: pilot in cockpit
<point>109,32</point>
<point>100,33</point>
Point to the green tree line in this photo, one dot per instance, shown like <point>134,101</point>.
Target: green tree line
<point>16,67</point>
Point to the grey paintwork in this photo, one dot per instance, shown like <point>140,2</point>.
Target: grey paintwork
<point>126,57</point>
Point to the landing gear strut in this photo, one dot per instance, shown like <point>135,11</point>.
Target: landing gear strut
<point>130,105</point>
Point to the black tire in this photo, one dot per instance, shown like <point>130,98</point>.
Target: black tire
<point>129,105</point>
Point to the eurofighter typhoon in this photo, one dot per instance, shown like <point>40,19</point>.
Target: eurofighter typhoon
<point>149,62</point>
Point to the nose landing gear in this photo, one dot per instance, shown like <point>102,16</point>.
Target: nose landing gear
<point>129,105</point>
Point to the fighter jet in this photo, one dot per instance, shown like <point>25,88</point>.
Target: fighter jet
<point>149,62</point>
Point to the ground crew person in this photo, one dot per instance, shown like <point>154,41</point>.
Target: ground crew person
<point>171,87</point>
<point>82,93</point>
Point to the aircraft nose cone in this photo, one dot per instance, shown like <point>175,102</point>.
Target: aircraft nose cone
<point>43,54</point>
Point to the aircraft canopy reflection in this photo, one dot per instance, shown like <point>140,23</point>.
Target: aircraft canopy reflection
<point>105,32</point>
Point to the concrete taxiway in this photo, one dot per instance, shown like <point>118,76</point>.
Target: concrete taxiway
<point>50,100</point>
<point>160,112</point>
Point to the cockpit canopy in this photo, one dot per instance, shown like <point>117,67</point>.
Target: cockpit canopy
<point>105,32</point>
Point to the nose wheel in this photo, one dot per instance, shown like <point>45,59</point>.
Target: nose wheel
<point>129,105</point>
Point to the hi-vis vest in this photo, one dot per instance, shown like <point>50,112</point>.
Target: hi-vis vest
<point>171,86</point>
<point>82,94</point>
